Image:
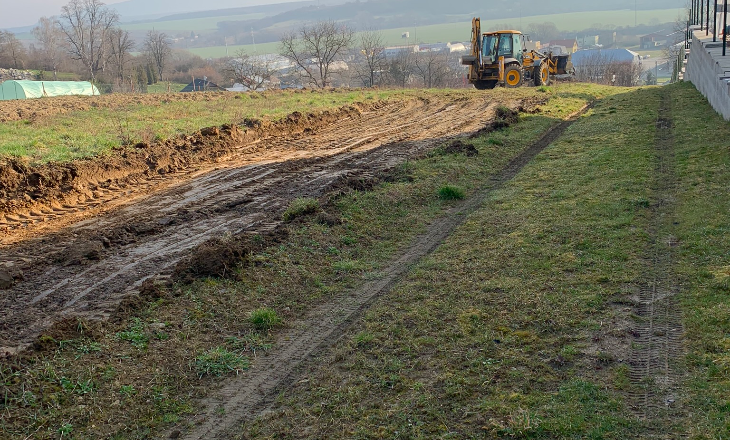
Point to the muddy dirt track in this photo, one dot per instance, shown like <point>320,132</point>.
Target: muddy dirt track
<point>83,258</point>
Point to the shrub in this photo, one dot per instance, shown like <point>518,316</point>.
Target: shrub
<point>264,319</point>
<point>449,192</point>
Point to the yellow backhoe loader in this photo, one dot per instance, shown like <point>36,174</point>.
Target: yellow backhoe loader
<point>510,59</point>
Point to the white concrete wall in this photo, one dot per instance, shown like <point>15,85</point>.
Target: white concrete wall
<point>705,69</point>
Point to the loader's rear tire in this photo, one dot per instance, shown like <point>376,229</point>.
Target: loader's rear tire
<point>485,85</point>
<point>542,75</point>
<point>512,76</point>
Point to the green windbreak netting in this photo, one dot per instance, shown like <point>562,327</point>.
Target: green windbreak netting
<point>38,89</point>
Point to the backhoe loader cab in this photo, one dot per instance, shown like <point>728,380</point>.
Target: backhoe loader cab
<point>509,58</point>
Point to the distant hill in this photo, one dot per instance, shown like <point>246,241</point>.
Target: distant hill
<point>132,10</point>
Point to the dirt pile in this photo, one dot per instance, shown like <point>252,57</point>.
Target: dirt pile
<point>460,147</point>
<point>221,256</point>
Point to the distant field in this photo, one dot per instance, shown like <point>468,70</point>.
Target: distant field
<point>461,31</point>
<point>221,51</point>
<point>199,25</point>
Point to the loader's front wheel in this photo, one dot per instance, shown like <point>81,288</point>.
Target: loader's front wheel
<point>513,76</point>
<point>485,85</point>
<point>542,75</point>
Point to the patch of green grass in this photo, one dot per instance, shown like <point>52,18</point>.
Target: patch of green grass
<point>300,207</point>
<point>219,361</point>
<point>251,342</point>
<point>136,334</point>
<point>264,318</point>
<point>165,87</point>
<point>450,192</point>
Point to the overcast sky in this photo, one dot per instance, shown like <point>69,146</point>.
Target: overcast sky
<point>27,12</point>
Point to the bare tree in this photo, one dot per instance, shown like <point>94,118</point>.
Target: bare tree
<point>605,69</point>
<point>50,37</point>
<point>251,71</point>
<point>157,48</point>
<point>120,46</point>
<point>432,68</point>
<point>12,51</point>
<point>86,25</point>
<point>372,60</point>
<point>675,49</point>
<point>315,48</point>
<point>543,31</point>
<point>400,68</point>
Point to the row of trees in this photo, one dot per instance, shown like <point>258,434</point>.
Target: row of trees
<point>87,34</point>
<point>327,53</point>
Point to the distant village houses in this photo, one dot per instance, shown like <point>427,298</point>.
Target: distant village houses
<point>571,46</point>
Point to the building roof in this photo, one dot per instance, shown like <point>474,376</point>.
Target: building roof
<point>37,89</point>
<point>202,85</point>
<point>658,34</point>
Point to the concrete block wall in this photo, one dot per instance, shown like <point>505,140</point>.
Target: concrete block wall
<point>709,71</point>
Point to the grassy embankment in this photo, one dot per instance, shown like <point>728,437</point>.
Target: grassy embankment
<point>128,379</point>
<point>519,325</point>
<point>96,131</point>
<point>703,232</point>
<point>516,326</point>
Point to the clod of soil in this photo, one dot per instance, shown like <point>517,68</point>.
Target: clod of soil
<point>82,253</point>
<point>66,329</point>
<point>148,292</point>
<point>8,278</point>
<point>219,257</point>
<point>460,147</point>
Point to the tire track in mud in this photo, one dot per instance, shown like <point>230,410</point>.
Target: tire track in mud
<point>657,346</point>
<point>88,269</point>
<point>386,123</point>
<point>246,396</point>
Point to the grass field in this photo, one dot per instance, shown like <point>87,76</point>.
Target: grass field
<point>88,133</point>
<point>198,25</point>
<point>518,326</point>
<point>162,87</point>
<point>142,373</point>
<point>496,335</point>
<point>461,31</point>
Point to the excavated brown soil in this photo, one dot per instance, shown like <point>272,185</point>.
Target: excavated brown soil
<point>37,194</point>
<point>97,235</point>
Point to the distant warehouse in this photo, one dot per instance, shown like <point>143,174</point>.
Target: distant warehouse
<point>38,89</point>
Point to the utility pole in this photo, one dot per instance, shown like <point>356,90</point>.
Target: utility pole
<point>253,41</point>
<point>724,27</point>
<point>707,24</point>
<point>714,24</point>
